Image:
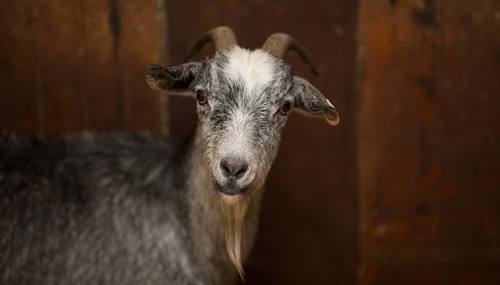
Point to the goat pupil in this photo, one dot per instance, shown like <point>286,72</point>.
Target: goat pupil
<point>285,108</point>
<point>201,98</point>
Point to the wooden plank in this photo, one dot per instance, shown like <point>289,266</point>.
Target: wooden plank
<point>56,54</point>
<point>429,157</point>
<point>138,41</point>
<point>68,66</point>
<point>19,92</point>
<point>101,72</point>
<point>430,274</point>
<point>121,41</point>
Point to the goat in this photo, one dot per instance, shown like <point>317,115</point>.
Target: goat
<point>139,209</point>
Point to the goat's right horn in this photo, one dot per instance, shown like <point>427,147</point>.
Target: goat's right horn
<point>279,43</point>
<point>223,37</point>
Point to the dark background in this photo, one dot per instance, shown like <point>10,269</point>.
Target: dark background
<point>406,190</point>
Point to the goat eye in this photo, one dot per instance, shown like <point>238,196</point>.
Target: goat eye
<point>284,108</point>
<point>202,99</point>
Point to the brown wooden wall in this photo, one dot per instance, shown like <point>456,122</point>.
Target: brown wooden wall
<point>404,191</point>
<point>429,142</point>
<point>73,65</point>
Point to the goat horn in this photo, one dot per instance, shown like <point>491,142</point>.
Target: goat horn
<point>223,37</point>
<point>279,43</point>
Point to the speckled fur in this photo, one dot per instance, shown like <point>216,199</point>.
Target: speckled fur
<point>94,210</point>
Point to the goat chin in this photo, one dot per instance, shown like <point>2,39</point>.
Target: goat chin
<point>233,210</point>
<point>231,200</point>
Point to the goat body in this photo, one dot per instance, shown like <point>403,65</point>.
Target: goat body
<point>101,210</point>
<point>136,209</point>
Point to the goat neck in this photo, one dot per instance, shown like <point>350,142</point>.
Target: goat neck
<point>214,221</point>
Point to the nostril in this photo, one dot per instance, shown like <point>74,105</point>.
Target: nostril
<point>240,170</point>
<point>234,168</point>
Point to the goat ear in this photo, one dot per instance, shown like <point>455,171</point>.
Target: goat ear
<point>173,79</point>
<point>309,99</point>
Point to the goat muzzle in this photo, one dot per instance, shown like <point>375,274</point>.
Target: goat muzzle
<point>233,176</point>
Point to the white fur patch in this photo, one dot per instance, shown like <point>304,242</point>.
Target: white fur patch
<point>255,68</point>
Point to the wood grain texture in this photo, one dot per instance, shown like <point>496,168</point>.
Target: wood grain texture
<point>67,66</point>
<point>429,153</point>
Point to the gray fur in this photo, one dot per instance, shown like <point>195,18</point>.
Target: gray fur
<point>137,209</point>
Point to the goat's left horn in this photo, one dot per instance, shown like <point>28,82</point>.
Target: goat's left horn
<point>223,37</point>
<point>279,43</point>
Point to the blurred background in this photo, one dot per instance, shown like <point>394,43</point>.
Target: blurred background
<point>406,190</point>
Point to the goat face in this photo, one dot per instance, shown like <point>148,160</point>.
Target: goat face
<point>243,100</point>
<point>243,97</point>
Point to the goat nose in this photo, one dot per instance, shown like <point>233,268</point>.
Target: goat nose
<point>234,168</point>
